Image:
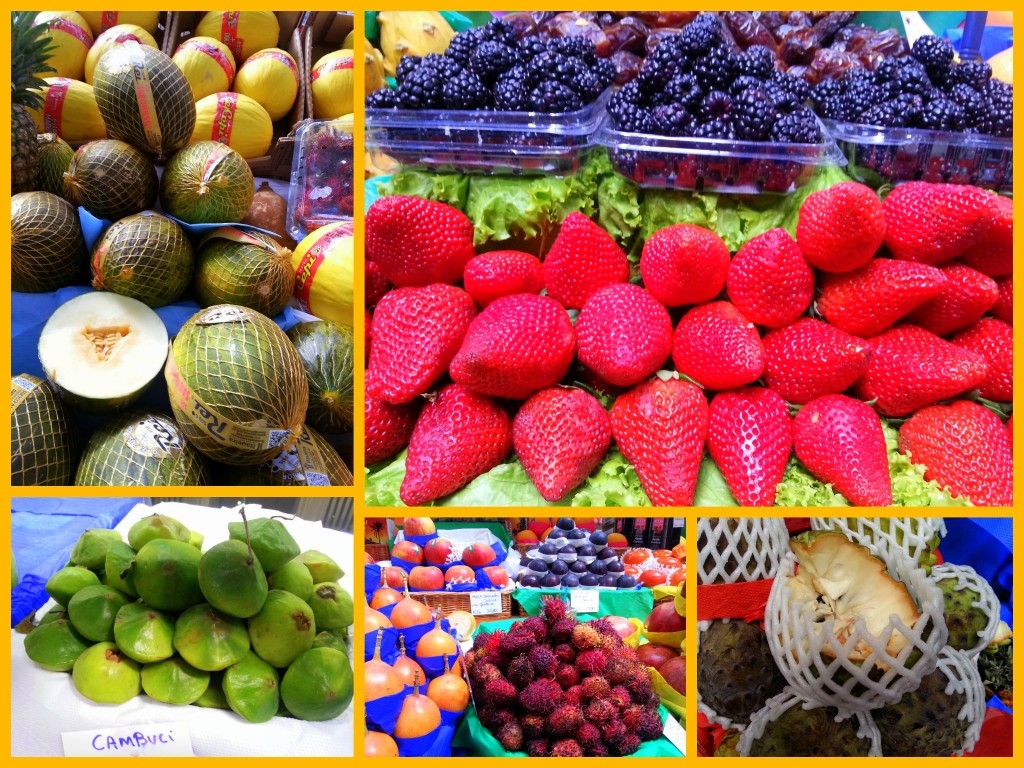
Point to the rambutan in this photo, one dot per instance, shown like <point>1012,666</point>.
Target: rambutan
<point>481,640</point>
<point>500,692</point>
<point>553,610</point>
<point>484,672</point>
<point>545,664</point>
<point>520,671</point>
<point>515,643</point>
<point>574,696</point>
<point>589,736</point>
<point>592,662</point>
<point>535,626</point>
<point>561,630</point>
<point>585,636</point>
<point>566,748</point>
<point>649,726</point>
<point>613,731</point>
<point>541,696</point>
<point>600,711</point>
<point>598,750</point>
<point>618,670</point>
<point>495,718</point>
<point>565,720</point>
<point>639,685</point>
<point>565,653</point>
<point>620,697</point>
<point>538,747</point>
<point>604,627</point>
<point>629,744</point>
<point>595,687</point>
<point>511,737</point>
<point>534,725</point>
<point>494,641</point>
<point>567,675</point>
<point>631,716</point>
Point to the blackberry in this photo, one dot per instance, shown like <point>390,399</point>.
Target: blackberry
<point>463,44</point>
<point>555,66</point>
<point>465,91</point>
<point>406,66</point>
<point>743,82</point>
<point>716,105</point>
<point>421,89</point>
<point>700,36</point>
<point>588,85</point>
<point>683,89</point>
<point>842,107</point>
<point>532,46</point>
<point>782,101</point>
<point>577,46</point>
<point>657,71</point>
<point>795,86</point>
<point>631,92</point>
<point>826,88</point>
<point>935,53</point>
<point>605,70</point>
<point>715,129</point>
<point>671,120</point>
<point>498,31</point>
<point>757,61</point>
<point>941,115</point>
<point>491,59</point>
<point>907,75</point>
<point>967,97</point>
<point>995,117</point>
<point>884,115</point>
<point>799,127</point>
<point>629,116</point>
<point>973,73</point>
<point>753,115</point>
<point>715,70</point>
<point>553,96</point>
<point>512,91</point>
<point>382,98</point>
<point>445,66</point>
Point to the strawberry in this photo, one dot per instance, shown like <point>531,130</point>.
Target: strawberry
<point>560,436</point>
<point>416,333</point>
<point>501,273</point>
<point>992,253</point>
<point>966,296</point>
<point>964,447</point>
<point>910,368</point>
<point>376,285</point>
<point>623,334</point>
<point>769,280</point>
<point>934,223</point>
<point>416,241</point>
<point>810,358</point>
<point>750,437</point>
<point>1003,308</point>
<point>840,441</point>
<point>459,435</point>
<point>388,427</point>
<point>684,264</point>
<point>840,228</point>
<point>869,299</point>
<point>660,427</point>
<point>993,340</point>
<point>517,345</point>
<point>367,335</point>
<point>718,347</point>
<point>582,259</point>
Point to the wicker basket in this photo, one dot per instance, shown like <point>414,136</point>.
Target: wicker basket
<point>378,552</point>
<point>459,601</point>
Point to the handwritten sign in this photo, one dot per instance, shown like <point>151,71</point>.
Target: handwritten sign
<point>485,603</point>
<point>585,600</point>
<point>675,733</point>
<point>161,739</point>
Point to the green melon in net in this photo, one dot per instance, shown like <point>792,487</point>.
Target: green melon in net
<point>54,158</point>
<point>311,460</point>
<point>101,350</point>
<point>144,99</point>
<point>42,434</point>
<point>207,182</point>
<point>327,355</point>
<point>140,448</point>
<point>145,256</point>
<point>47,247</point>
<point>245,268</point>
<point>236,385</point>
<point>111,179</point>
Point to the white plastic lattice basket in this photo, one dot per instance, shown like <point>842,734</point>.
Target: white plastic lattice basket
<point>841,663</point>
<point>987,603</point>
<point>731,549</point>
<point>914,536</point>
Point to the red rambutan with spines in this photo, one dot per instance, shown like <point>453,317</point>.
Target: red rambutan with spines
<point>613,731</point>
<point>541,696</point>
<point>553,609</point>
<point>510,737</point>
<point>515,643</point>
<point>500,692</point>
<point>585,636</point>
<point>534,725</point>
<point>565,720</point>
<point>538,747</point>
<point>520,671</point>
<point>567,675</point>
<point>598,750</point>
<point>649,726</point>
<point>631,716</point>
<point>589,736</point>
<point>565,653</point>
<point>561,630</point>
<point>484,672</point>
<point>599,711</point>
<point>545,663</point>
<point>604,627</point>
<point>566,748</point>
<point>574,695</point>
<point>595,687</point>
<point>620,697</point>
<point>629,744</point>
<point>592,662</point>
<point>536,626</point>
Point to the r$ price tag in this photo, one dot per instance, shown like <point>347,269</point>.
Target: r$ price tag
<point>585,600</point>
<point>485,603</point>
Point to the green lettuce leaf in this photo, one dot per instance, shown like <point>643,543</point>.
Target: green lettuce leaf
<point>799,489</point>
<point>506,485</point>
<point>450,188</point>
<point>613,484</point>
<point>712,490</point>
<point>618,208</point>
<point>383,482</point>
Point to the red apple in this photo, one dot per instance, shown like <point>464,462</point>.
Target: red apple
<point>460,574</point>
<point>437,551</point>
<point>409,551</point>
<point>654,655</point>
<point>395,577</point>
<point>418,526</point>
<point>477,555</point>
<point>665,619</point>
<point>674,672</point>
<point>369,558</point>
<point>427,578</point>
<point>497,575</point>
<point>623,626</point>
<point>651,578</point>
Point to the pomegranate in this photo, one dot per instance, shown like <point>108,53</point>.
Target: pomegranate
<point>654,655</point>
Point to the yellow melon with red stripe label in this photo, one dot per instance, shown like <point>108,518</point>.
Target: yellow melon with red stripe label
<point>272,78</point>
<point>331,82</point>
<point>243,32</point>
<point>101,21</point>
<point>70,111</point>
<point>71,40</point>
<point>235,120</point>
<point>207,64</point>
<point>323,263</point>
<point>111,37</point>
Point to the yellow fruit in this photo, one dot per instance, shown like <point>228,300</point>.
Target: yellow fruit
<point>345,123</point>
<point>462,622</point>
<point>412,33</point>
<point>70,111</point>
<point>350,40</point>
<point>331,82</point>
<point>1002,65</point>
<point>114,36</point>
<point>70,35</point>
<point>271,77</point>
<point>235,120</point>
<point>243,32</point>
<point>374,60</point>
<point>323,272</point>
<point>207,64</point>
<point>101,21</point>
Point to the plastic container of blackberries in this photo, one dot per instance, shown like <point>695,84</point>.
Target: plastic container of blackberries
<point>879,156</point>
<point>321,191</point>
<point>716,165</point>
<point>486,141</point>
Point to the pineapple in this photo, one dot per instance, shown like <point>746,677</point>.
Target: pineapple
<point>30,49</point>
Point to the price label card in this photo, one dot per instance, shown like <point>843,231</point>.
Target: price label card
<point>675,733</point>
<point>485,603</point>
<point>585,600</point>
<point>161,739</point>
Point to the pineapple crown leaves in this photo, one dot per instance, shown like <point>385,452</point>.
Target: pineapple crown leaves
<point>31,48</point>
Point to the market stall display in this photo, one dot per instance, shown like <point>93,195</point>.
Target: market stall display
<point>157,202</point>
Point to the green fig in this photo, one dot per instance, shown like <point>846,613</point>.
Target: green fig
<point>143,633</point>
<point>174,681</point>
<point>331,638</point>
<point>68,580</point>
<point>293,577</point>
<point>232,579</point>
<point>332,606</point>
<point>252,688</point>
<point>55,612</point>
<point>105,675</point>
<point>213,697</point>
<point>55,645</point>
<point>317,685</point>
<point>93,609</point>
<point>321,567</point>
<point>271,542</point>
<point>283,629</point>
<point>167,574</point>
<point>210,640</point>
<point>196,539</point>
<point>157,527</point>
<point>118,569</point>
<point>91,548</point>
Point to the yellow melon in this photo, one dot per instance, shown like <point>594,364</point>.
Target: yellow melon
<point>70,111</point>
<point>115,36</point>
<point>207,64</point>
<point>271,77</point>
<point>1002,65</point>
<point>71,38</point>
<point>323,272</point>
<point>101,21</point>
<point>412,33</point>
<point>236,120</point>
<point>331,82</point>
<point>243,32</point>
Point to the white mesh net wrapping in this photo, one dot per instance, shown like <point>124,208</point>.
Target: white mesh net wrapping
<point>732,549</point>
<point>829,671</point>
<point>777,706</point>
<point>912,535</point>
<point>965,577</point>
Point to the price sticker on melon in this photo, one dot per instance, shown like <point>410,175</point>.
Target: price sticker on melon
<point>485,603</point>
<point>585,600</point>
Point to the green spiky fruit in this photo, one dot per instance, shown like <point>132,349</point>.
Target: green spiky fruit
<point>111,179</point>
<point>965,619</point>
<point>736,673</point>
<point>42,434</point>
<point>47,247</point>
<point>924,722</point>
<point>55,157</point>
<point>326,350</point>
<point>207,182</point>
<point>802,732</point>
<point>245,268</point>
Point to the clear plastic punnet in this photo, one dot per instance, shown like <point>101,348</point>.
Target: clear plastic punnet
<point>966,578</point>
<point>731,549</point>
<point>886,155</point>
<point>914,536</point>
<point>836,660</point>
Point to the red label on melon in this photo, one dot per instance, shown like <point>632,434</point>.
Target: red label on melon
<point>54,105</point>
